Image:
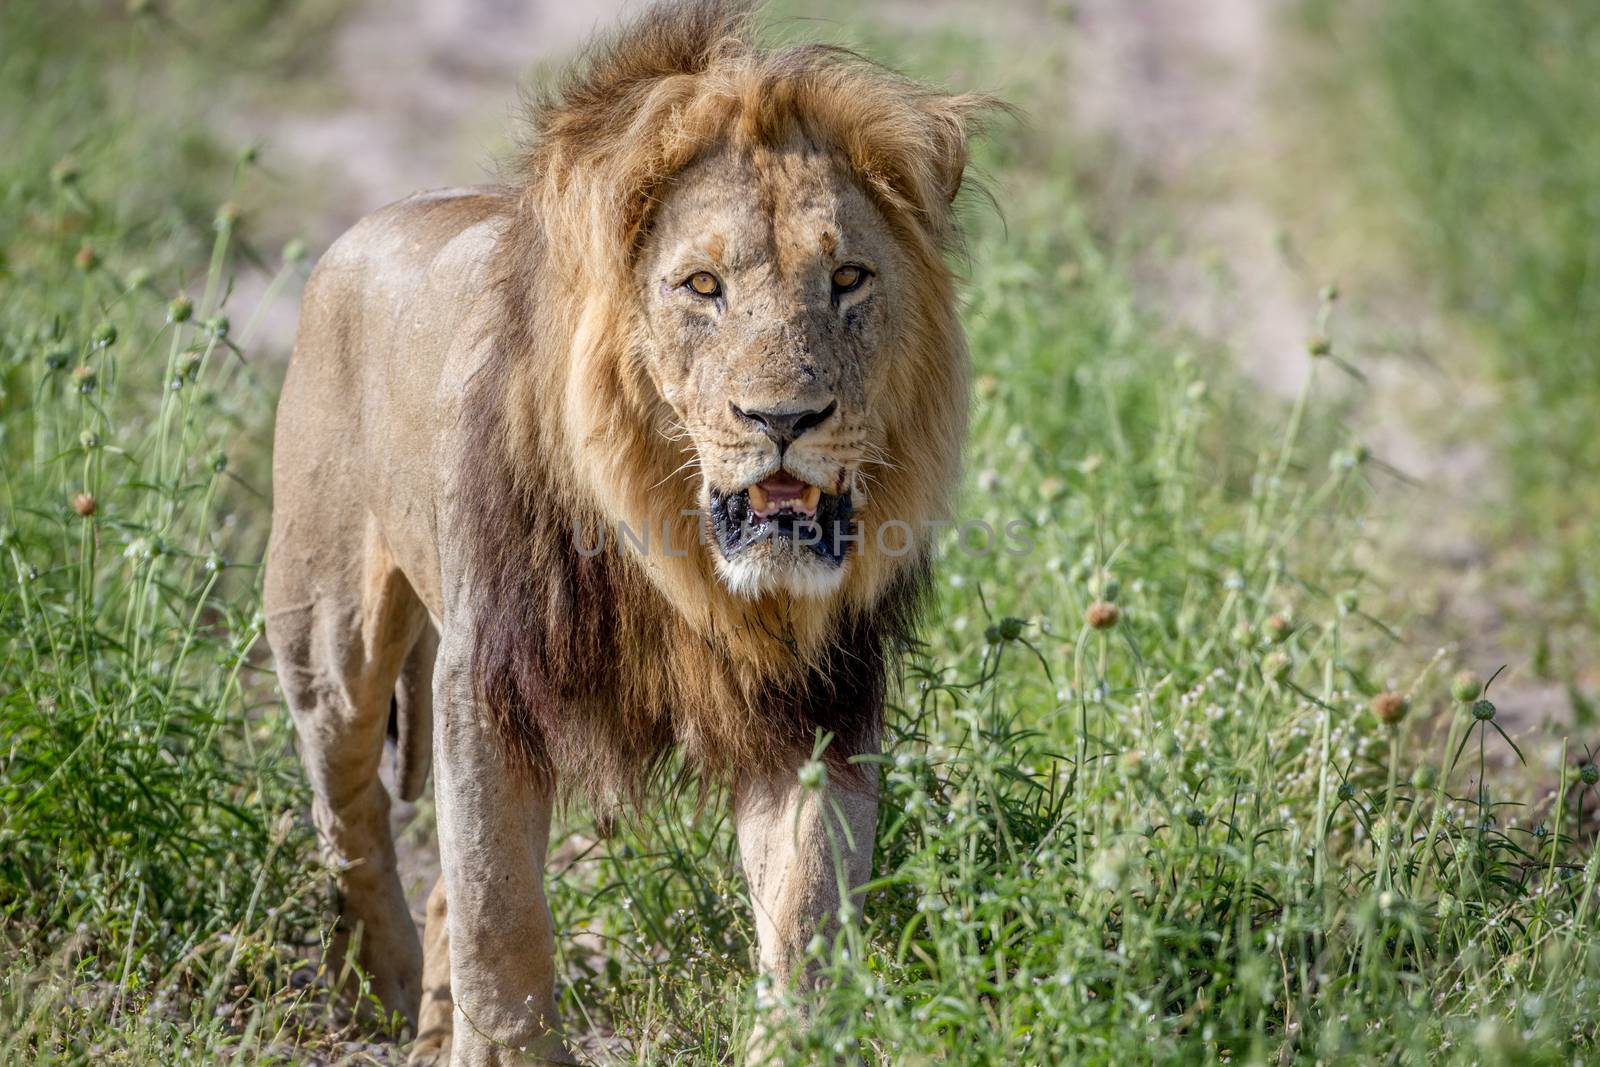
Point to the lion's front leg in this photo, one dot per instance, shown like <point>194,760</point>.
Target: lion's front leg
<point>494,827</point>
<point>806,847</point>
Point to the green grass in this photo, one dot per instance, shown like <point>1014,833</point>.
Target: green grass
<point>1466,128</point>
<point>1181,836</point>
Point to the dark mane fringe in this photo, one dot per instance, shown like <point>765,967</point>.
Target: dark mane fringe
<point>553,626</point>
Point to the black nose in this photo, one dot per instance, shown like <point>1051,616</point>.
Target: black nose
<point>784,427</point>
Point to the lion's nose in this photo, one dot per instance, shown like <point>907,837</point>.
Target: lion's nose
<point>785,426</point>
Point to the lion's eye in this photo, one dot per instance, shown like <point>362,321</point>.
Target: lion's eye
<point>848,278</point>
<point>704,283</point>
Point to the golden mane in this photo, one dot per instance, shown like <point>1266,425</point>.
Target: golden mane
<point>594,665</point>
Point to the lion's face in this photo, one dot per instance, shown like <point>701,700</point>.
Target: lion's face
<point>769,281</point>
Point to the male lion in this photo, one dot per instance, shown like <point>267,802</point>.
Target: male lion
<point>713,306</point>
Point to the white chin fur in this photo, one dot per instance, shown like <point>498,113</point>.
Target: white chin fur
<point>755,577</point>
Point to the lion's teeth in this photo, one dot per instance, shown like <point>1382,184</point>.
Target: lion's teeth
<point>812,497</point>
<point>758,498</point>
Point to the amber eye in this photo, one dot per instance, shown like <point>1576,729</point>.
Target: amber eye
<point>848,279</point>
<point>704,283</point>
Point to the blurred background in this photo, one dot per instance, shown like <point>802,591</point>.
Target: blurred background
<point>1201,208</point>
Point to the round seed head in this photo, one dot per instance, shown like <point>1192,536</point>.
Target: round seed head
<point>104,336</point>
<point>1347,791</point>
<point>1482,710</point>
<point>1194,817</point>
<point>84,504</point>
<point>1425,776</point>
<point>89,439</point>
<point>1278,629</point>
<point>85,378</point>
<point>217,326</point>
<point>1101,615</point>
<point>813,775</point>
<point>180,309</point>
<point>1465,687</point>
<point>1589,774</point>
<point>1319,346</point>
<point>1390,707</point>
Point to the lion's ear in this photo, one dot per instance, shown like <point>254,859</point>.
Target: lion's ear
<point>953,121</point>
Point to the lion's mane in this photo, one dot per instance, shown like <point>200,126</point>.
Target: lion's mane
<point>593,666</point>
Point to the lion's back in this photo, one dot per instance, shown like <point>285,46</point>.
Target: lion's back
<point>359,416</point>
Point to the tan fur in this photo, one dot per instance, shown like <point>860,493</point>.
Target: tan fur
<point>476,372</point>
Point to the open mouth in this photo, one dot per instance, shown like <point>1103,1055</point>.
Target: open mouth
<point>782,506</point>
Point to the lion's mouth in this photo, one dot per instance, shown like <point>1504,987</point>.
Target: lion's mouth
<point>782,506</point>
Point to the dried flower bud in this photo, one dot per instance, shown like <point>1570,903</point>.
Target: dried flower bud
<point>1319,346</point>
<point>1390,707</point>
<point>180,308</point>
<point>1102,615</point>
<point>87,258</point>
<point>84,504</point>
<point>1278,629</point>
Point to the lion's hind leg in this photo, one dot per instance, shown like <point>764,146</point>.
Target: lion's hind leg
<point>341,619</point>
<point>436,1017</point>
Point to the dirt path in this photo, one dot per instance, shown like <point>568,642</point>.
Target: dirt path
<point>1191,112</point>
